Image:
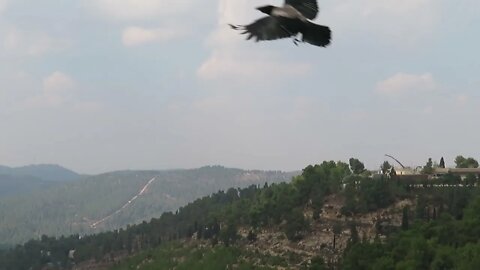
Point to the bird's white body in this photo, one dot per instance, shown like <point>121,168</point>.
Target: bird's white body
<point>288,11</point>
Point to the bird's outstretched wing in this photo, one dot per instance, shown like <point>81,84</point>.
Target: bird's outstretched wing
<point>267,28</point>
<point>309,8</point>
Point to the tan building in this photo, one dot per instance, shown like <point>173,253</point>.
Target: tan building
<point>406,171</point>
<point>463,172</point>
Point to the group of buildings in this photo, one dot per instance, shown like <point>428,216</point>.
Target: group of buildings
<point>436,172</point>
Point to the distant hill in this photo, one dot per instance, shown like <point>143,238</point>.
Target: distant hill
<point>46,172</point>
<point>27,179</point>
<point>329,217</point>
<point>113,200</point>
<point>11,185</point>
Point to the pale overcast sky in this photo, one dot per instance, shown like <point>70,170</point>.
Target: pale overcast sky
<point>101,85</point>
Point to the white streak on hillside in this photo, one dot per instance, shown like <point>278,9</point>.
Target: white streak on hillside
<point>142,191</point>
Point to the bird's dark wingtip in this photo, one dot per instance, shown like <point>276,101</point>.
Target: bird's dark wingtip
<point>236,27</point>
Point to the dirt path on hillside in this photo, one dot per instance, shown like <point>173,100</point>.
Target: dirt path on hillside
<point>140,193</point>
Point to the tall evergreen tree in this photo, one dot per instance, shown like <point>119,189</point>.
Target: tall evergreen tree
<point>442,163</point>
<point>405,221</point>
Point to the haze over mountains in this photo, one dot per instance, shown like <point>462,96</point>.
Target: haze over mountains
<point>47,172</point>
<point>14,181</point>
<point>107,201</point>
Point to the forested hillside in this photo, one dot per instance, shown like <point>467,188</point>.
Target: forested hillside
<point>11,185</point>
<point>332,216</point>
<point>27,179</point>
<point>443,241</point>
<point>45,172</point>
<point>113,200</point>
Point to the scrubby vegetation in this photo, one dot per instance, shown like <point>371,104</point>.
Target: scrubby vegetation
<point>188,257</point>
<point>72,208</point>
<point>443,242</point>
<point>443,222</point>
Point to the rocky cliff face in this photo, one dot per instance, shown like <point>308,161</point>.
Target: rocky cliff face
<point>319,240</point>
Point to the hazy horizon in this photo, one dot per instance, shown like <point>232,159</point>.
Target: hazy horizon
<point>375,167</point>
<point>103,85</point>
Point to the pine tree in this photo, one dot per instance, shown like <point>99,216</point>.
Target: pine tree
<point>337,229</point>
<point>442,163</point>
<point>405,221</point>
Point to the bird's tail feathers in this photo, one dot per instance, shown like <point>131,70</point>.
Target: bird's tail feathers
<point>318,35</point>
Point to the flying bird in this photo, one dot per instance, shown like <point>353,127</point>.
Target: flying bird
<point>288,21</point>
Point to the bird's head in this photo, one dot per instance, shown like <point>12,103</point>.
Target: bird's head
<point>266,9</point>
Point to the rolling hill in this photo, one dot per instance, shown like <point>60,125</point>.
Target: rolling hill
<point>11,185</point>
<point>113,200</point>
<point>27,179</point>
<point>46,172</point>
<point>329,217</point>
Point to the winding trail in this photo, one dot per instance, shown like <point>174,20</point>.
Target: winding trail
<point>142,191</point>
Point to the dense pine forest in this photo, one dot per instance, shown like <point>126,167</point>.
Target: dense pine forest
<point>439,229</point>
<point>73,207</point>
